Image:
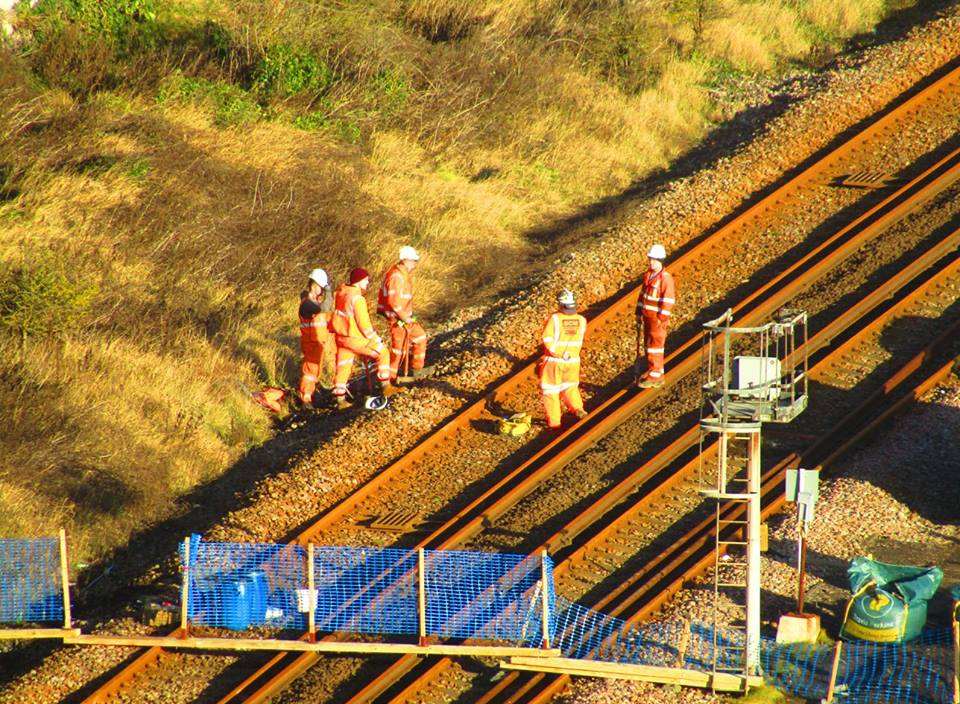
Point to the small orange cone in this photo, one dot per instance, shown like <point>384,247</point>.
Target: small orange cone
<point>270,398</point>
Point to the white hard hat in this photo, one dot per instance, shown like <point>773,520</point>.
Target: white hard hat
<point>319,277</point>
<point>408,252</point>
<point>657,252</point>
<point>566,298</point>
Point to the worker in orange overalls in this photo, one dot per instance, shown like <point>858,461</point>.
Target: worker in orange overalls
<point>562,340</point>
<point>395,303</point>
<point>355,336</point>
<point>657,298</point>
<point>315,307</point>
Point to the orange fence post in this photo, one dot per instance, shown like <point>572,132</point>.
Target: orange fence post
<point>65,577</point>
<point>545,597</point>
<point>956,655</point>
<point>311,597</point>
<point>833,671</point>
<point>185,590</point>
<point>422,596</point>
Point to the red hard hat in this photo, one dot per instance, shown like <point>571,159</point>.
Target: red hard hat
<point>358,274</point>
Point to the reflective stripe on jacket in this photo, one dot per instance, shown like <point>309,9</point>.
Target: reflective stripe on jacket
<point>395,298</point>
<point>313,328</point>
<point>350,317</point>
<point>658,294</point>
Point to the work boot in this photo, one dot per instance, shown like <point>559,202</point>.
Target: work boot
<point>343,404</point>
<point>424,372</point>
<point>580,414</point>
<point>388,389</point>
<point>650,383</point>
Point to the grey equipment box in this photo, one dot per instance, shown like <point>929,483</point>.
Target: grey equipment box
<point>756,377</point>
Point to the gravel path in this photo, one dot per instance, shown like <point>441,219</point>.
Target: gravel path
<point>486,344</point>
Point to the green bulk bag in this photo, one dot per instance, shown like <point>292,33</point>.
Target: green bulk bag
<point>889,602</point>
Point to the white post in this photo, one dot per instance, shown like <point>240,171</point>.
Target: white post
<point>185,590</point>
<point>65,578</point>
<point>545,597</point>
<point>422,595</point>
<point>752,659</point>
<point>311,597</point>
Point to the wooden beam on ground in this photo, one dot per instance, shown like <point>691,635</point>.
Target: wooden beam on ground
<point>34,633</point>
<point>720,681</point>
<point>251,644</point>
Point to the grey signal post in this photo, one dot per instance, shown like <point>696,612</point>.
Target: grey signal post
<point>751,376</point>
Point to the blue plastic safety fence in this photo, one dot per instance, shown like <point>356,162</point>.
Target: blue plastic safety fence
<point>483,596</point>
<point>31,586</point>
<point>241,585</point>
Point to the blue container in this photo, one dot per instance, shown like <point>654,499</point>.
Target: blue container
<point>256,598</point>
<point>236,604</point>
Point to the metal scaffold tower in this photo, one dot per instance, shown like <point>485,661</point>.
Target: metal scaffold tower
<point>751,376</point>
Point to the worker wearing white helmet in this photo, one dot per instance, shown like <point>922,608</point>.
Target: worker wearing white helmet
<point>315,307</point>
<point>559,367</point>
<point>408,339</point>
<point>657,298</point>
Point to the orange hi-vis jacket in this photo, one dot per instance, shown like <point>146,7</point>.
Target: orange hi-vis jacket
<point>562,340</point>
<point>313,325</point>
<point>659,294</point>
<point>350,317</point>
<point>395,298</point>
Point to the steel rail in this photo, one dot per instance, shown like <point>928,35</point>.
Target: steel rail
<point>619,407</point>
<point>647,479</point>
<point>646,591</point>
<point>624,404</point>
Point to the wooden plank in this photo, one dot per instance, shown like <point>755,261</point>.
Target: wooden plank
<point>312,604</point>
<point>65,576</point>
<point>833,671</point>
<point>258,644</point>
<point>33,633</point>
<point>646,673</point>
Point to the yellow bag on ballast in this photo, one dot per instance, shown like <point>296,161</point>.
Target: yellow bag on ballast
<point>516,425</point>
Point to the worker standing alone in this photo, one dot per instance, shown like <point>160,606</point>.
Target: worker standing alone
<point>562,340</point>
<point>315,307</point>
<point>657,298</point>
<point>356,336</point>
<point>395,303</point>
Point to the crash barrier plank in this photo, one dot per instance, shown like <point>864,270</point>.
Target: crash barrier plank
<point>34,587</point>
<point>879,673</point>
<point>369,590</point>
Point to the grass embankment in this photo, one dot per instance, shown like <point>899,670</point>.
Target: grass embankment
<point>169,172</point>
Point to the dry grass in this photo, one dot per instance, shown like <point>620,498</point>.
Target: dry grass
<point>195,204</point>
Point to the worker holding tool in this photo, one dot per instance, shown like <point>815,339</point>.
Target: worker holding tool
<point>315,307</point>
<point>559,366</point>
<point>408,340</point>
<point>657,298</point>
<point>355,336</point>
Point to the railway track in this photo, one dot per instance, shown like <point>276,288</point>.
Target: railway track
<point>610,531</point>
<point>641,594</point>
<point>273,675</point>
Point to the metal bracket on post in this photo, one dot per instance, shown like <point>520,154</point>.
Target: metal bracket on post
<point>185,589</point>
<point>545,597</point>
<point>422,595</point>
<point>65,578</point>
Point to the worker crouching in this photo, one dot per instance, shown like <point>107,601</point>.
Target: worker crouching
<point>315,307</point>
<point>657,298</point>
<point>408,339</point>
<point>559,366</point>
<point>355,336</point>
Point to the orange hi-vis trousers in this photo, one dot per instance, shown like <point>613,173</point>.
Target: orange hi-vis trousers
<point>348,348</point>
<point>559,380</point>
<point>654,341</point>
<point>310,371</point>
<point>415,337</point>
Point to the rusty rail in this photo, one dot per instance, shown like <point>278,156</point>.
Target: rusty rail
<point>645,592</point>
<point>279,671</point>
